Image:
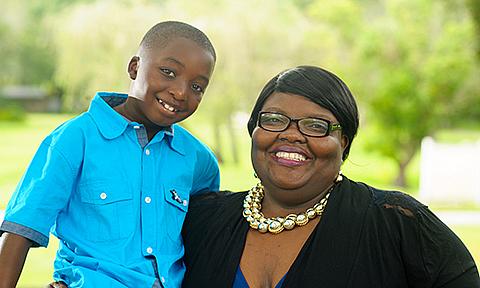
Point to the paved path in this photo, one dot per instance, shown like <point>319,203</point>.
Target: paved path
<point>459,217</point>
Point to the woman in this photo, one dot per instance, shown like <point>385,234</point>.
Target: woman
<point>304,225</point>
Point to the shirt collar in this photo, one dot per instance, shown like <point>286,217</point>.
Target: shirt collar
<point>175,142</point>
<point>110,123</point>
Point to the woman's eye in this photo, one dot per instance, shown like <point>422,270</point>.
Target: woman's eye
<point>273,120</point>
<point>168,72</point>
<point>197,88</point>
<point>318,126</point>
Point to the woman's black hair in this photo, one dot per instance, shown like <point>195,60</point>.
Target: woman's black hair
<point>321,87</point>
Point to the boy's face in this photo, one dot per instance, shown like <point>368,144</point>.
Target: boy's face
<point>169,81</point>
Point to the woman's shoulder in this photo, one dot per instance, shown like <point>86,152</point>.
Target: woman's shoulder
<point>429,250</point>
<point>389,199</point>
<point>212,211</point>
<point>211,199</point>
<point>210,204</point>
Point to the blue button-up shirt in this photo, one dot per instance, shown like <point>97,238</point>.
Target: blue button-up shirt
<point>116,201</point>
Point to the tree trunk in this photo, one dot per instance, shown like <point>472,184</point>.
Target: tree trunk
<point>474,9</point>
<point>401,180</point>
<point>217,144</point>
<point>233,140</point>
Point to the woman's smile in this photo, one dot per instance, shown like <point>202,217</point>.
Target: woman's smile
<point>290,156</point>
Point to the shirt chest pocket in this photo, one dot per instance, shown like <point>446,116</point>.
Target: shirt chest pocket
<point>109,210</point>
<point>177,199</point>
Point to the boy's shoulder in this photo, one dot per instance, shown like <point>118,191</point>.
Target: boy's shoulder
<point>67,140</point>
<point>188,140</point>
<point>72,129</point>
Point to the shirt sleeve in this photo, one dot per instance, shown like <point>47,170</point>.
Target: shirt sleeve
<point>443,258</point>
<point>42,192</point>
<point>207,173</point>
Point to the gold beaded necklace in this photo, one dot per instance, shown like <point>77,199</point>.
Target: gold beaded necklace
<point>252,205</point>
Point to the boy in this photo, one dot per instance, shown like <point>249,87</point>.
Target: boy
<point>113,184</point>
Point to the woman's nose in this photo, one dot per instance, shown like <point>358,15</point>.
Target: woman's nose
<point>292,133</point>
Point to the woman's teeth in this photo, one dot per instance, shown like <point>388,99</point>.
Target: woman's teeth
<point>291,156</point>
<point>166,106</point>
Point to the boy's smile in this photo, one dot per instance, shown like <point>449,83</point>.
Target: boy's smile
<point>167,106</point>
<point>167,83</point>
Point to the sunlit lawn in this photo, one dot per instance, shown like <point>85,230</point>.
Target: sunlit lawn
<point>18,142</point>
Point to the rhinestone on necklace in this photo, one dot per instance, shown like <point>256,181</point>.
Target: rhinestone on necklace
<point>252,206</point>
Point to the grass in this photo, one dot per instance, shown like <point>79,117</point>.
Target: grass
<point>470,236</point>
<point>19,141</point>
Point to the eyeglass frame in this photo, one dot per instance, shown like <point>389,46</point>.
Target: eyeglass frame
<point>331,127</point>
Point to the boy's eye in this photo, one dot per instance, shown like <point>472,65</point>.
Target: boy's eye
<point>167,72</point>
<point>197,88</point>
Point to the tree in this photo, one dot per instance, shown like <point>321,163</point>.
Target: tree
<point>418,65</point>
<point>408,61</point>
<point>474,8</point>
<point>25,47</point>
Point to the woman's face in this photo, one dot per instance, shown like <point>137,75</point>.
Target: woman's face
<point>287,161</point>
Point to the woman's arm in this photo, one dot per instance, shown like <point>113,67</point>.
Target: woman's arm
<point>13,252</point>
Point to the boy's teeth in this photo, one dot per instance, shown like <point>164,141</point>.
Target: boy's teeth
<point>291,156</point>
<point>168,107</point>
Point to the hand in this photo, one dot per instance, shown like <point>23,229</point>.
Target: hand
<point>58,284</point>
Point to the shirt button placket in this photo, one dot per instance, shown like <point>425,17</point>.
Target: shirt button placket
<point>147,209</point>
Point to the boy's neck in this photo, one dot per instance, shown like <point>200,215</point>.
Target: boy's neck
<point>151,128</point>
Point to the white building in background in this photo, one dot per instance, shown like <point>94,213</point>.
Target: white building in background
<point>449,173</point>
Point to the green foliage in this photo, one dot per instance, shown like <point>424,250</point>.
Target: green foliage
<point>26,43</point>
<point>94,50</point>
<point>474,8</point>
<point>10,111</point>
<point>418,63</point>
<point>409,62</point>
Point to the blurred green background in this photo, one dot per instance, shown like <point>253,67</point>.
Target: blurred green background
<point>413,66</point>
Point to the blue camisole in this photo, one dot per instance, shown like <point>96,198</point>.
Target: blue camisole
<point>241,282</point>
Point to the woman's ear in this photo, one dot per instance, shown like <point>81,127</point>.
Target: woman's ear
<point>345,142</point>
<point>133,67</point>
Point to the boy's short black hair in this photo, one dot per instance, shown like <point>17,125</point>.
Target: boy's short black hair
<point>321,87</point>
<point>160,34</point>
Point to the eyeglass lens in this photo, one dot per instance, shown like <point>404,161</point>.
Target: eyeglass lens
<point>276,122</point>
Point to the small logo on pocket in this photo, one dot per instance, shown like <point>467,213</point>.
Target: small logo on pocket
<point>175,196</point>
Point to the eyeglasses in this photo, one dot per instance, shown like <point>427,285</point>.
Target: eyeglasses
<point>313,127</point>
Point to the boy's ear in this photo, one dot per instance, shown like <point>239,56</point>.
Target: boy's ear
<point>133,67</point>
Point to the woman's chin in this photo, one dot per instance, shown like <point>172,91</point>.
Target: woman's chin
<point>288,184</point>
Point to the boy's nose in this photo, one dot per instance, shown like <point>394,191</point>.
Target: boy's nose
<point>178,91</point>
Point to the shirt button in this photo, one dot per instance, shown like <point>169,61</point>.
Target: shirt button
<point>147,152</point>
<point>185,202</point>
<point>148,200</point>
<point>103,196</point>
<point>162,279</point>
<point>149,250</point>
